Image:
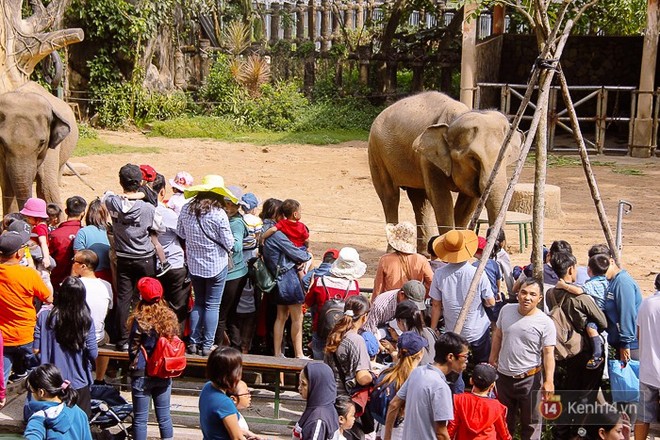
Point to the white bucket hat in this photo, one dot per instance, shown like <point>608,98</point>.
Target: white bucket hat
<point>348,265</point>
<point>402,237</point>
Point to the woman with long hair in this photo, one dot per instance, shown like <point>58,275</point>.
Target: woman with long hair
<point>409,318</point>
<point>281,257</point>
<point>346,353</point>
<point>65,336</point>
<point>94,236</point>
<point>411,347</point>
<point>204,226</point>
<point>151,319</point>
<point>218,416</point>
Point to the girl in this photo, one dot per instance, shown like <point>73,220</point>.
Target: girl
<point>151,319</point>
<point>409,318</point>
<point>319,388</point>
<point>346,353</point>
<point>65,336</point>
<point>218,416</point>
<point>242,398</point>
<point>346,411</point>
<point>34,212</point>
<point>55,414</point>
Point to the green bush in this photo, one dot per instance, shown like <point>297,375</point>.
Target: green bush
<point>221,92</point>
<point>346,114</point>
<point>277,108</point>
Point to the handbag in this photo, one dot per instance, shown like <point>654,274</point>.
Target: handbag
<point>230,253</point>
<point>624,380</point>
<point>262,278</point>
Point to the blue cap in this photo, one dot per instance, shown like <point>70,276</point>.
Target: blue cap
<point>250,201</point>
<point>371,342</point>
<point>411,343</point>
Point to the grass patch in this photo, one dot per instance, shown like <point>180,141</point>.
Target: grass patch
<point>226,130</point>
<point>93,146</point>
<point>628,171</point>
<point>558,161</point>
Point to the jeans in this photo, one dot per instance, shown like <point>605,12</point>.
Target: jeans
<point>18,355</point>
<point>143,389</point>
<point>129,272</point>
<point>318,347</point>
<point>205,313</point>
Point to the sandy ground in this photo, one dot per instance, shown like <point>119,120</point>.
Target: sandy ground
<point>341,207</point>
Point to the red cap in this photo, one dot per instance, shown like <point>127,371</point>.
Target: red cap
<point>334,252</point>
<point>482,244</point>
<point>148,173</point>
<point>150,289</point>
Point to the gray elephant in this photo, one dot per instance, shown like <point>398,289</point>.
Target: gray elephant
<point>38,133</point>
<point>432,145</point>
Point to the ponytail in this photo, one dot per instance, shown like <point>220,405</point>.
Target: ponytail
<point>47,377</point>
<point>356,307</point>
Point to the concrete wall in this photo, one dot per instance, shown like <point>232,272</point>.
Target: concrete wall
<point>488,70</point>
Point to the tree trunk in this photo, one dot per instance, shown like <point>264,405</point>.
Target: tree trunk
<point>24,42</point>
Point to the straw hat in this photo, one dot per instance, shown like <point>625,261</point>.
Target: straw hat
<point>456,246</point>
<point>348,265</point>
<point>402,237</point>
<point>210,183</point>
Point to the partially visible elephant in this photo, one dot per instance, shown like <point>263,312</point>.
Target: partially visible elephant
<point>432,145</point>
<point>38,133</point>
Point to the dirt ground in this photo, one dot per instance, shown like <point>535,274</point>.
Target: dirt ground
<point>341,208</point>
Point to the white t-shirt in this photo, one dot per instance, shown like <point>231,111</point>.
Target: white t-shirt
<point>99,300</point>
<point>648,321</point>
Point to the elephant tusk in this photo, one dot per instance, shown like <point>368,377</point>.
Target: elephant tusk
<point>68,165</point>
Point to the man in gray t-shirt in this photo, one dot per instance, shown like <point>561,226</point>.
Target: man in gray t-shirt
<point>426,394</point>
<point>523,351</point>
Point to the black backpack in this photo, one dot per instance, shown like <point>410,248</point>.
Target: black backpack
<point>331,312</point>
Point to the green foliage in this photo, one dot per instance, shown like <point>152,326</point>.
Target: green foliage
<point>221,89</point>
<point>87,132</point>
<point>96,146</point>
<point>347,114</point>
<point>277,108</point>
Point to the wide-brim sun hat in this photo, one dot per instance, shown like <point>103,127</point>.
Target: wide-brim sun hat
<point>402,237</point>
<point>34,207</point>
<point>348,265</point>
<point>210,183</point>
<point>456,246</point>
<point>237,192</point>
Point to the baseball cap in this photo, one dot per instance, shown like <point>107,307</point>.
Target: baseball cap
<point>148,173</point>
<point>484,375</point>
<point>371,343</point>
<point>20,226</point>
<point>415,291</point>
<point>11,242</point>
<point>130,174</point>
<point>150,289</point>
<point>411,343</point>
<point>481,243</point>
<point>251,201</point>
<point>333,252</point>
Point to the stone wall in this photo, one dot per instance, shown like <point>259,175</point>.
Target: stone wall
<point>488,70</point>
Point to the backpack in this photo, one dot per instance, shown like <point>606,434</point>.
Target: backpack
<point>380,399</point>
<point>569,341</point>
<point>168,359</point>
<point>331,312</point>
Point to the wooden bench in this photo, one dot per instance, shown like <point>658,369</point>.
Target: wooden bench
<point>512,218</point>
<point>251,362</point>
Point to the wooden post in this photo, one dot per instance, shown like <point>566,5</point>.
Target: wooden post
<point>359,22</point>
<point>311,21</point>
<point>287,22</point>
<point>349,21</point>
<point>325,25</point>
<point>274,23</point>
<point>498,19</point>
<point>300,22</point>
<point>601,119</point>
<point>540,170</point>
<point>468,54</point>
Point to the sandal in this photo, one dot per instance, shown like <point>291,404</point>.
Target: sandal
<point>594,363</point>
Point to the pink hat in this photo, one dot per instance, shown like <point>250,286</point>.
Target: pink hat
<point>34,207</point>
<point>181,181</point>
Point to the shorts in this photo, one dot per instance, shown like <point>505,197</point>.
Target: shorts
<point>647,407</point>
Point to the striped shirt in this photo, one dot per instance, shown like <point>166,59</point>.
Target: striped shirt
<point>205,257</point>
<point>382,311</point>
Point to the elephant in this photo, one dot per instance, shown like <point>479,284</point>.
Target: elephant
<point>38,133</point>
<point>432,145</point>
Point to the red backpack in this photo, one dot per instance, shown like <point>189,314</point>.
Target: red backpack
<point>168,358</point>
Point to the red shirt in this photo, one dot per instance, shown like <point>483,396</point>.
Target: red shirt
<point>297,232</point>
<point>334,288</point>
<point>478,418</point>
<point>61,249</point>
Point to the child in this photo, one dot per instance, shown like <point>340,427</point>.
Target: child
<point>293,228</point>
<point>55,414</point>
<point>596,287</point>
<point>346,411</point>
<point>181,181</point>
<point>151,196</point>
<point>218,416</point>
<point>250,202</point>
<point>243,399</point>
<point>54,212</point>
<point>150,319</point>
<point>34,212</point>
<point>476,415</point>
<point>318,387</point>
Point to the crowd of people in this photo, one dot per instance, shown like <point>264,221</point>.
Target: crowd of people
<point>136,265</point>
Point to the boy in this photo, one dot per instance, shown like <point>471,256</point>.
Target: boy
<point>596,287</point>
<point>242,398</point>
<point>61,239</point>
<point>476,415</point>
<point>150,195</point>
<point>54,212</point>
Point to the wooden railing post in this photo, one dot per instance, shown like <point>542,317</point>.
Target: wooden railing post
<point>274,23</point>
<point>286,23</point>
<point>325,25</point>
<point>300,22</point>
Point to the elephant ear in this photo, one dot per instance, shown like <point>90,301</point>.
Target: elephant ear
<point>59,129</point>
<point>432,145</point>
<point>515,147</point>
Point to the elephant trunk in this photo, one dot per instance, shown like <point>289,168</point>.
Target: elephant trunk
<point>496,197</point>
<point>21,178</point>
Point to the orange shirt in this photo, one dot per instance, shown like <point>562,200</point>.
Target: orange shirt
<point>395,268</point>
<point>19,285</point>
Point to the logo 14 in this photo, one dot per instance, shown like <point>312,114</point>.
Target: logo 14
<point>551,408</point>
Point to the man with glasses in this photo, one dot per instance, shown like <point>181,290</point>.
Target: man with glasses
<point>19,285</point>
<point>523,351</point>
<point>426,394</point>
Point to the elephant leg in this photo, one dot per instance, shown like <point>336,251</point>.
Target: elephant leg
<point>387,191</point>
<point>48,178</point>
<point>423,217</point>
<point>439,194</point>
<point>465,206</point>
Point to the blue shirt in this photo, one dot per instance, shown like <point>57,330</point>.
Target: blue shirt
<point>52,420</point>
<point>205,257</point>
<point>621,307</point>
<point>596,287</point>
<point>214,406</point>
<point>96,240</point>
<point>493,273</point>
<point>323,269</point>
